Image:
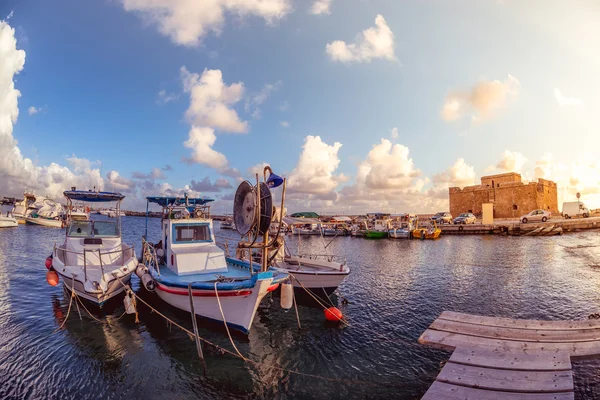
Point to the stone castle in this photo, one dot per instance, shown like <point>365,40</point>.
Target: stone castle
<point>511,197</point>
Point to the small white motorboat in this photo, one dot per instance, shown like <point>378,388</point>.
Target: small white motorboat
<point>93,261</point>
<point>23,208</point>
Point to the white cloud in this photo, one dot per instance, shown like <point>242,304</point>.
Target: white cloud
<point>211,109</point>
<point>315,171</point>
<point>394,133</point>
<point>481,100</point>
<point>372,43</point>
<point>388,166</point>
<point>186,22</point>
<point>566,101</point>
<point>511,161</point>
<point>200,141</point>
<point>210,101</point>
<point>17,172</point>
<point>284,106</point>
<point>321,7</point>
<point>284,124</point>
<point>33,110</point>
<point>460,174</point>
<point>116,182</point>
<point>254,102</point>
<point>162,97</point>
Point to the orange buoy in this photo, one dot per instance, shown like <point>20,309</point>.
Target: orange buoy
<point>333,314</point>
<point>52,278</point>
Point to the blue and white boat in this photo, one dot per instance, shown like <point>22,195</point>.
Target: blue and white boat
<point>187,259</point>
<point>93,261</point>
<point>408,223</point>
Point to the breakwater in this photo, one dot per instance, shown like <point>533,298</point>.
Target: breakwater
<point>515,228</point>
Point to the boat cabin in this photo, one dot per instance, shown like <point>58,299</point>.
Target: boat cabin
<point>188,241</point>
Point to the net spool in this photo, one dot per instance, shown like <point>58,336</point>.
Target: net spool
<point>245,209</point>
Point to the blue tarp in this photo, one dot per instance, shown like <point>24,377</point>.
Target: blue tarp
<point>94,197</point>
<point>178,201</point>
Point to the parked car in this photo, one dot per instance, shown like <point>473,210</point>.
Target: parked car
<point>536,215</point>
<point>442,218</point>
<point>572,209</point>
<point>465,218</point>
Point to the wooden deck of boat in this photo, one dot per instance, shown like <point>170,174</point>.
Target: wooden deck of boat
<point>503,358</point>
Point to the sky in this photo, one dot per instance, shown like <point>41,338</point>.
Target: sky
<point>364,105</point>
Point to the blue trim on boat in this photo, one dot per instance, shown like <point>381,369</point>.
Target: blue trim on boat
<point>94,197</point>
<point>178,201</point>
<point>170,279</point>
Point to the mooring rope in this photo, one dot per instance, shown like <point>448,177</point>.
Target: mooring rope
<point>225,323</point>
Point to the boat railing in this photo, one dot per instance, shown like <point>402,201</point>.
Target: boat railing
<point>327,257</point>
<point>125,251</point>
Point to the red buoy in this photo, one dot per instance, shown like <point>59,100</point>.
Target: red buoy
<point>333,314</point>
<point>49,262</point>
<point>52,278</point>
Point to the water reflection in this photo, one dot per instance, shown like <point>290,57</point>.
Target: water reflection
<point>396,289</point>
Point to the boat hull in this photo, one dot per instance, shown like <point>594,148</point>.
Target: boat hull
<point>239,306</point>
<point>98,298</point>
<point>426,234</point>
<point>376,234</point>
<point>51,223</point>
<point>399,234</point>
<point>8,223</point>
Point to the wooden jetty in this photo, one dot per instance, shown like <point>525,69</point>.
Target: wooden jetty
<point>503,358</point>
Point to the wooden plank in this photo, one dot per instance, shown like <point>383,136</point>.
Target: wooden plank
<point>445,391</point>
<point>519,323</point>
<point>524,335</point>
<point>449,341</point>
<point>506,380</point>
<point>503,359</point>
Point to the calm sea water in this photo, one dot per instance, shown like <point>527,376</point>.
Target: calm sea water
<point>396,289</point>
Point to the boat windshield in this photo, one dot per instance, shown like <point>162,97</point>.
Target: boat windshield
<point>93,229</point>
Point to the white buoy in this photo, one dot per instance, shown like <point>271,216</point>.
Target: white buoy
<point>129,304</point>
<point>287,295</point>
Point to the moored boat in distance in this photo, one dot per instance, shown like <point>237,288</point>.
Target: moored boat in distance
<point>7,219</point>
<point>46,212</point>
<point>405,227</point>
<point>427,230</point>
<point>93,262</point>
<point>380,227</point>
<point>187,260</point>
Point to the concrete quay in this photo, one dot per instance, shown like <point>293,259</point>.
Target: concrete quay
<point>554,226</point>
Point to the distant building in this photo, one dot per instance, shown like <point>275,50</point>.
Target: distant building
<point>511,197</point>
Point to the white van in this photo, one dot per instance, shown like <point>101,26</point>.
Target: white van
<point>575,209</point>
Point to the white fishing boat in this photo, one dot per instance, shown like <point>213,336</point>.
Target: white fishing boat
<point>191,273</point>
<point>47,213</point>
<point>93,261</point>
<point>404,228</point>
